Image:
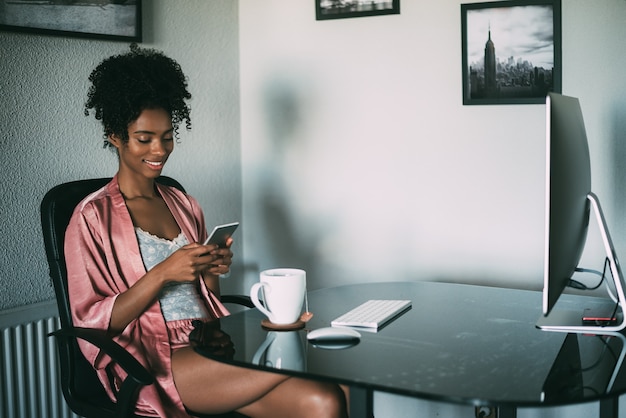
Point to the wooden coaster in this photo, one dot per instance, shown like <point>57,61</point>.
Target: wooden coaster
<point>282,327</point>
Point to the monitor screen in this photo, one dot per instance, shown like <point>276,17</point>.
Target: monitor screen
<point>569,204</point>
<point>568,184</point>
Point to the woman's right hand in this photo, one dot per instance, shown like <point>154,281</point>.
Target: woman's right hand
<point>186,264</point>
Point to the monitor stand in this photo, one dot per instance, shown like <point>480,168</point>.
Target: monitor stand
<point>572,320</point>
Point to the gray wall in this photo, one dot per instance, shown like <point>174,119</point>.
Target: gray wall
<point>47,140</point>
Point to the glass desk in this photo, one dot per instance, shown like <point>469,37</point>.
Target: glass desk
<point>458,343</point>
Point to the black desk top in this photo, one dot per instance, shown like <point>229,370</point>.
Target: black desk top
<point>458,343</point>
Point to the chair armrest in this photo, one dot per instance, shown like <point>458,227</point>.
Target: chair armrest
<point>238,299</point>
<point>122,357</point>
<point>137,377</point>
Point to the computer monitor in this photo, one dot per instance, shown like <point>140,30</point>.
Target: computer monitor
<point>569,201</point>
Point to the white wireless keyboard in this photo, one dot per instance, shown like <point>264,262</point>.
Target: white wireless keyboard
<point>372,314</point>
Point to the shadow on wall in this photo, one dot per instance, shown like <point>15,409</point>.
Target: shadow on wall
<point>289,243</point>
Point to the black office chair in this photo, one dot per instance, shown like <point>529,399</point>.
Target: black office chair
<point>81,388</point>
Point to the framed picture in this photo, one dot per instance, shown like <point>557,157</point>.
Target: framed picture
<point>511,51</point>
<point>102,19</point>
<point>339,9</point>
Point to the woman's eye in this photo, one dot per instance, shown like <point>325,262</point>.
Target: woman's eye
<point>144,140</point>
<point>168,139</point>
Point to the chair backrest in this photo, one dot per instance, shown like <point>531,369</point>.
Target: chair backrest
<point>80,385</point>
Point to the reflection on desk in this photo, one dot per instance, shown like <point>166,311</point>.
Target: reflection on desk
<point>570,379</point>
<point>208,339</point>
<point>460,343</point>
<point>281,350</point>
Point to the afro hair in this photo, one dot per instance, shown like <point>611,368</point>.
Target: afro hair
<point>124,85</point>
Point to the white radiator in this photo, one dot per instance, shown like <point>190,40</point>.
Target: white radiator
<point>29,372</point>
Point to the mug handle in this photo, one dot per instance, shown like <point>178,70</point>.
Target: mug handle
<point>254,295</point>
<point>271,336</point>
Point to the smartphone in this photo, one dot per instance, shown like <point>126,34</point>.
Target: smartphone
<point>221,233</point>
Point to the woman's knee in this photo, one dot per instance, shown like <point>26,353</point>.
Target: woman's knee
<point>326,400</point>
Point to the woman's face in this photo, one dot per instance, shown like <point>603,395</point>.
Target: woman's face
<point>150,142</point>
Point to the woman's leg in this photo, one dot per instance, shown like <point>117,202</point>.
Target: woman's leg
<point>209,386</point>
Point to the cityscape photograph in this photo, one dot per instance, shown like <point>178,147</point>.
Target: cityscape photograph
<point>510,52</point>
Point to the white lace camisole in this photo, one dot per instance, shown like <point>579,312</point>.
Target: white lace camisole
<point>178,300</point>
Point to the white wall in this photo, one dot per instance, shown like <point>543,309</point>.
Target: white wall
<point>361,163</point>
<point>47,140</point>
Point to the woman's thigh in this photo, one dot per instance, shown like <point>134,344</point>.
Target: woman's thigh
<point>210,386</point>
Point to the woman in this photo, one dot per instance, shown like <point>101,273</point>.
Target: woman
<point>136,268</point>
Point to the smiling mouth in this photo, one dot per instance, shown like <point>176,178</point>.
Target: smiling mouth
<point>154,164</point>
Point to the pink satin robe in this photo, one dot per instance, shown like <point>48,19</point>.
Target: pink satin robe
<point>104,260</point>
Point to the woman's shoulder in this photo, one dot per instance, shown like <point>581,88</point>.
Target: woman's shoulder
<point>100,199</point>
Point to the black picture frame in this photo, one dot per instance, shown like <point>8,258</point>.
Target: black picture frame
<point>115,20</point>
<point>341,9</point>
<point>520,44</point>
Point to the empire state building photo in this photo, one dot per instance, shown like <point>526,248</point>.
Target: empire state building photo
<point>510,55</point>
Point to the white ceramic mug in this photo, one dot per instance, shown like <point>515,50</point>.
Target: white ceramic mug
<point>283,294</point>
<point>281,350</point>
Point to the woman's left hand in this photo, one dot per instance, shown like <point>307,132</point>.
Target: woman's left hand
<point>223,259</point>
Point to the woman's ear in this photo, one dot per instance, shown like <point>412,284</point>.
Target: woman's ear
<point>115,140</point>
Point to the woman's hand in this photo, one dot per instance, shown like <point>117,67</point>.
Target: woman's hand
<point>220,265</point>
<point>187,263</point>
<point>224,258</point>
